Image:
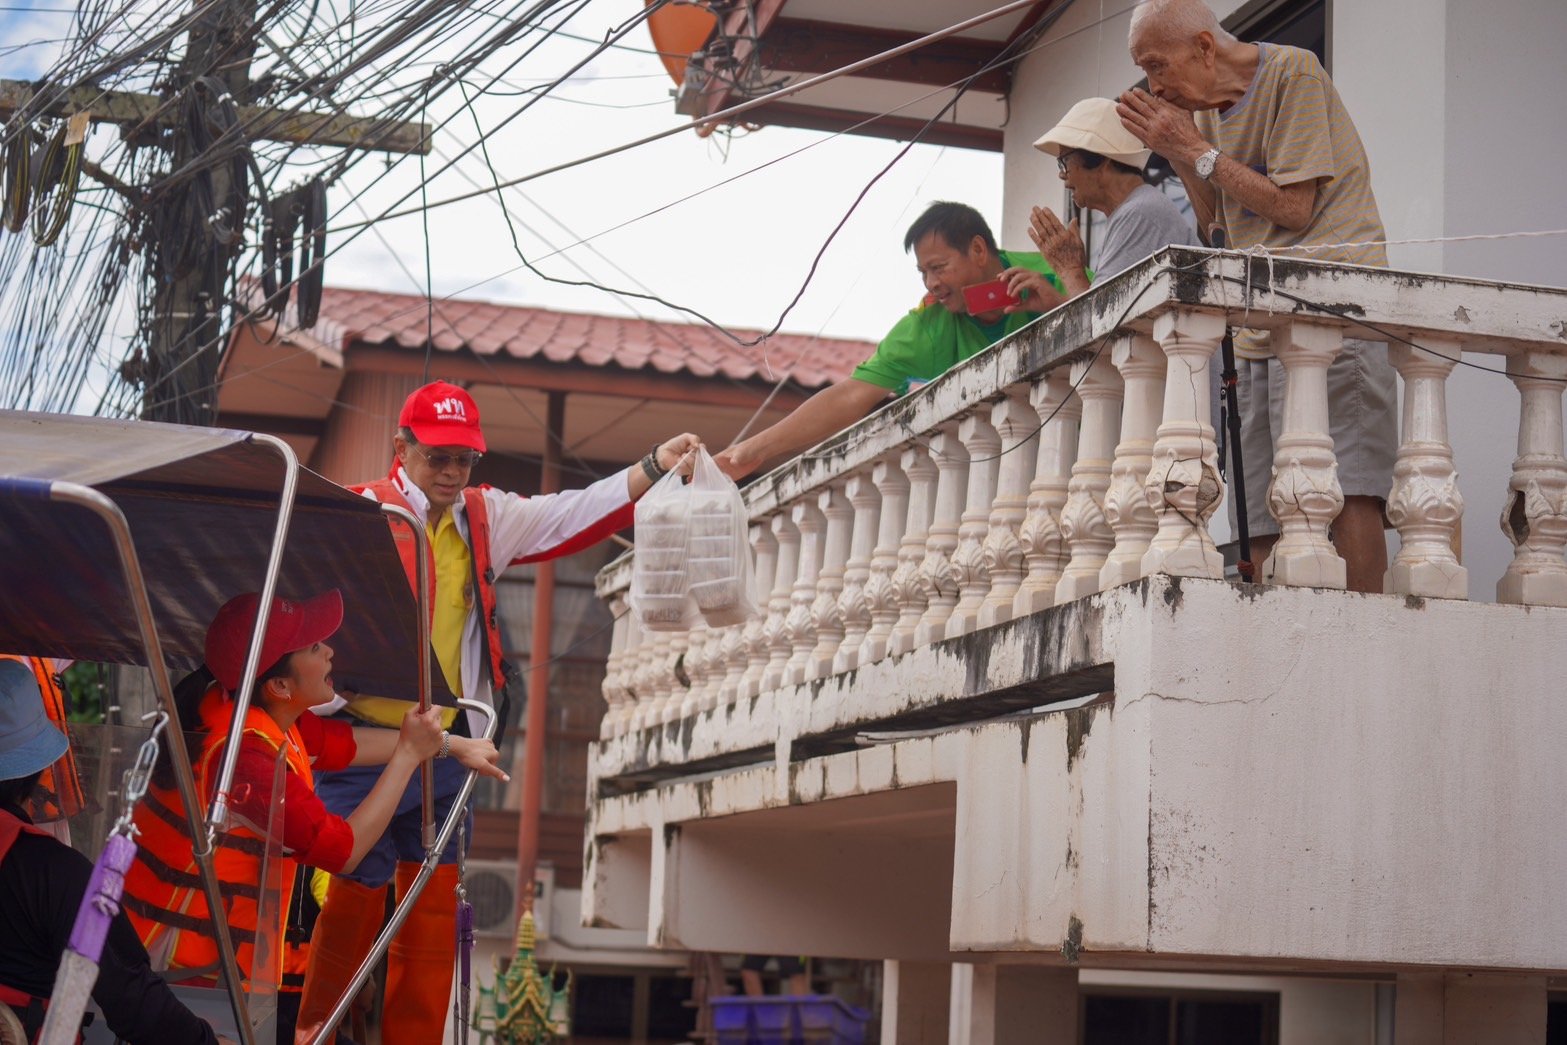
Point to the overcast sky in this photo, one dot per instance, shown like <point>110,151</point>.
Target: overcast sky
<point>738,252</point>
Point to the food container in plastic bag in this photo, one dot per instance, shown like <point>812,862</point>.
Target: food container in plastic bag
<point>719,570</point>
<point>660,595</point>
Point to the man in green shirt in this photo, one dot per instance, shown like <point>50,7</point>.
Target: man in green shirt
<point>954,249</point>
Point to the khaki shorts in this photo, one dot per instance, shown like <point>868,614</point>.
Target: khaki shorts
<point>1362,419</point>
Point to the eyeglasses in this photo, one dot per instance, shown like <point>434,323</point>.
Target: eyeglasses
<point>439,459</point>
<point>1061,159</point>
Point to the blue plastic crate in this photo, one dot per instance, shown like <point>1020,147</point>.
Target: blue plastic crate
<point>826,1018</point>
<point>788,1020</point>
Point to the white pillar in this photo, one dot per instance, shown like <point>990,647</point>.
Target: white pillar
<point>1083,525</point>
<point>881,595</point>
<point>642,682</point>
<point>1017,425</point>
<point>1044,548</point>
<point>1535,516</point>
<point>670,670</point>
<point>801,625</point>
<point>775,632</point>
<point>937,575</point>
<point>1425,505</point>
<point>1127,508</point>
<point>694,666</point>
<point>853,606</point>
<point>921,472</point>
<point>616,694</point>
<point>1305,496</point>
<point>826,617</point>
<point>1183,484</point>
<point>983,444</point>
<point>753,640</point>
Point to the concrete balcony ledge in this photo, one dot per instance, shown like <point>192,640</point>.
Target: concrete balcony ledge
<point>1287,777</point>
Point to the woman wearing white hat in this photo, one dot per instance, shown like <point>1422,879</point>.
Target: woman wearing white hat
<point>1102,164</point>
<point>41,886</point>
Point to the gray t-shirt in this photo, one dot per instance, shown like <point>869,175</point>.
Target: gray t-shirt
<point>1145,222</point>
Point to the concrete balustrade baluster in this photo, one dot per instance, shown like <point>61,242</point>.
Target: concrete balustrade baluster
<point>675,681</point>
<point>1425,506</point>
<point>1127,509</point>
<point>1305,496</point>
<point>1535,515</point>
<point>826,616</point>
<point>853,607</point>
<point>1044,547</point>
<point>775,632</point>
<point>921,473</point>
<point>751,658</point>
<point>616,692</point>
<point>938,575</point>
<point>800,624</point>
<point>1018,428</point>
<point>1183,485</point>
<point>983,445</point>
<point>695,668</point>
<point>881,592</point>
<point>1083,524</point>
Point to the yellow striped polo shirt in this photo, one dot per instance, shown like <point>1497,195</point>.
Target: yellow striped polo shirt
<point>1291,126</point>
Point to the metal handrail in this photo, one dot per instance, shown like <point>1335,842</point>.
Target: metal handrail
<point>432,858</point>
<point>218,817</point>
<point>179,756</point>
<point>421,594</point>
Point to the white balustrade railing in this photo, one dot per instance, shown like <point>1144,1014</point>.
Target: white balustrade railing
<point>1079,455</point>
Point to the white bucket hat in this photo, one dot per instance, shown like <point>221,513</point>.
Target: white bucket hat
<point>1093,126</point>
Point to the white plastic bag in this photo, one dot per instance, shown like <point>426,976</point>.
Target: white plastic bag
<point>721,576</point>
<point>660,594</point>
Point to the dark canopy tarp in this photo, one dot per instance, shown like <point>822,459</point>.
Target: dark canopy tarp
<point>202,506</point>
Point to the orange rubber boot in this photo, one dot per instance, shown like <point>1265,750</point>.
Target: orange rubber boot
<point>349,921</point>
<point>420,960</point>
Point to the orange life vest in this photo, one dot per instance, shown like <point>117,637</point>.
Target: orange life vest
<point>386,491</point>
<point>163,893</point>
<point>477,511</point>
<point>28,1007</point>
<point>59,791</point>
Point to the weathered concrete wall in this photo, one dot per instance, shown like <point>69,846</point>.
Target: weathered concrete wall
<point>1315,779</point>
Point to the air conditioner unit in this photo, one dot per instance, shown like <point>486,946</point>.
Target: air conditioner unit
<point>492,889</point>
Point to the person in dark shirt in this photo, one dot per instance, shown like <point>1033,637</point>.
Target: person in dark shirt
<point>41,886</point>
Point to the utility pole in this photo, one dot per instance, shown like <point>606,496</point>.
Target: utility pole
<point>184,314</point>
<point>188,311</point>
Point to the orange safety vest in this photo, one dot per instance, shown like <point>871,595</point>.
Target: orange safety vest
<point>59,791</point>
<point>28,1007</point>
<point>163,893</point>
<point>386,491</point>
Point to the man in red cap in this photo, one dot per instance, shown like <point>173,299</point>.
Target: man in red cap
<point>474,532</point>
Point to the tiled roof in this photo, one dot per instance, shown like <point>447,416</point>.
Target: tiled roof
<point>370,317</point>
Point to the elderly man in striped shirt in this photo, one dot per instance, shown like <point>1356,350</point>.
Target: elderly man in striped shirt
<point>1269,156</point>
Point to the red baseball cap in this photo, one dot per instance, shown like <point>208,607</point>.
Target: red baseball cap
<point>290,626</point>
<point>441,414</point>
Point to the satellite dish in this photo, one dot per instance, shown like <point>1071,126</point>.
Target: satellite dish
<point>679,31</point>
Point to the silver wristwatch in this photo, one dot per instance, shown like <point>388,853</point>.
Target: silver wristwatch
<point>1206,163</point>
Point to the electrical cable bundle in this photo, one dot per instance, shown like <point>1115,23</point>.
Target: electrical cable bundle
<point>18,180</point>
<point>312,253</point>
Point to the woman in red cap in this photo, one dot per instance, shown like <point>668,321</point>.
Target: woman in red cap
<point>163,894</point>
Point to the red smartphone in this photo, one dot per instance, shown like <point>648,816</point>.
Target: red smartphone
<point>988,297</point>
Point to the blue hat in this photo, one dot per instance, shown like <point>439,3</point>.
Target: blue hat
<point>29,742</point>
